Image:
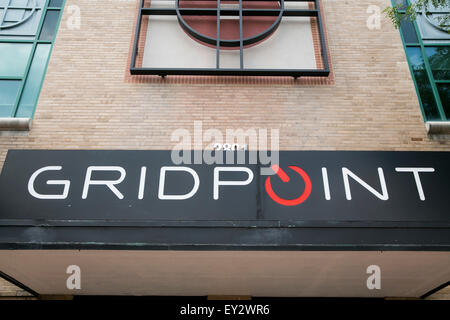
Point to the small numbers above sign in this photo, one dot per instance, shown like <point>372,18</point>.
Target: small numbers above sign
<point>229,147</point>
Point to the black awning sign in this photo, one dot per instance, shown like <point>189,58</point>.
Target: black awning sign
<point>145,185</point>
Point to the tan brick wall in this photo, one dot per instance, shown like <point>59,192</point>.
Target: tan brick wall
<point>9,290</point>
<point>86,102</point>
<point>443,294</point>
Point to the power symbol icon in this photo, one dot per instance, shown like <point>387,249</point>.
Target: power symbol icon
<point>285,178</point>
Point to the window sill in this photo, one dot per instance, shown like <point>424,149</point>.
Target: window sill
<point>438,130</point>
<point>15,124</point>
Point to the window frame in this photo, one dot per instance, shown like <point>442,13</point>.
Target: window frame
<point>35,41</point>
<point>162,72</point>
<point>433,82</point>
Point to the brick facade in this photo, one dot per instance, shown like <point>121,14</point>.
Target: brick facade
<point>87,103</point>
<point>9,290</point>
